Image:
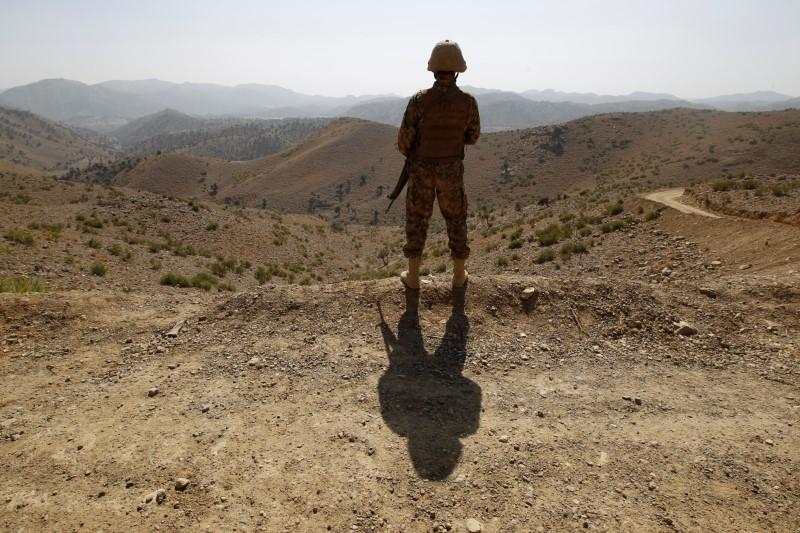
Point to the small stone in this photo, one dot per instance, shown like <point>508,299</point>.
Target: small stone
<point>473,526</point>
<point>129,484</point>
<point>686,329</point>
<point>770,442</point>
<point>152,392</point>
<point>205,408</point>
<point>745,267</point>
<point>172,366</point>
<point>254,361</point>
<point>504,438</point>
<point>651,485</point>
<point>708,291</point>
<point>716,263</point>
<point>181,483</point>
<point>158,496</point>
<point>540,414</point>
<point>637,401</point>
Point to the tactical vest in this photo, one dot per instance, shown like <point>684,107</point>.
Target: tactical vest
<point>444,121</point>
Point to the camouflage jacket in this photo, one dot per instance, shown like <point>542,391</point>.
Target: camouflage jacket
<point>407,135</point>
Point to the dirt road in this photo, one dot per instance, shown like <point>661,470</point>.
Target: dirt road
<point>670,198</point>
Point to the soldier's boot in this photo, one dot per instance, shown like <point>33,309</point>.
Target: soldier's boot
<point>410,277</point>
<point>459,273</point>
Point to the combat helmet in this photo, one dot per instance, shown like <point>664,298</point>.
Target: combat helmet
<point>446,56</point>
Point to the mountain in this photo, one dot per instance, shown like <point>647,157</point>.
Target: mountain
<point>32,141</point>
<point>503,110</point>
<point>550,95</point>
<point>758,96</point>
<point>76,103</point>
<point>211,99</point>
<point>794,103</point>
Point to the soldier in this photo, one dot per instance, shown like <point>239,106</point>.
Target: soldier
<point>438,122</point>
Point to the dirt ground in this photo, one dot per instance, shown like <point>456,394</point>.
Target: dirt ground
<point>357,406</point>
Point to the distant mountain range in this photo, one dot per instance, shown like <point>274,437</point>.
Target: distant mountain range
<point>107,106</point>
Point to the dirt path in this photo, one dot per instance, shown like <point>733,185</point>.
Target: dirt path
<point>670,198</point>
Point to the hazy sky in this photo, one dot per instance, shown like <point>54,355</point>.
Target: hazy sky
<point>691,48</point>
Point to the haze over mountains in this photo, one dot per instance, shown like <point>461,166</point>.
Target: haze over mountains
<point>110,105</point>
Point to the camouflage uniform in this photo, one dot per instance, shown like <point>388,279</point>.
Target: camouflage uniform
<point>431,176</point>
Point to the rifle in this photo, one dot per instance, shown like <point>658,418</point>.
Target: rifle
<point>401,182</point>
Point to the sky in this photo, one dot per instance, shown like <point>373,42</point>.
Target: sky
<point>691,49</point>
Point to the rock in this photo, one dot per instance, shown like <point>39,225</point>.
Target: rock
<point>473,526</point>
<point>181,483</point>
<point>666,272</point>
<point>205,408</point>
<point>637,401</point>
<point>708,291</point>
<point>685,329</point>
<point>716,263</point>
<point>175,329</point>
<point>529,297</point>
<point>504,438</point>
<point>255,361</point>
<point>745,267</point>
<point>158,496</point>
<point>152,392</point>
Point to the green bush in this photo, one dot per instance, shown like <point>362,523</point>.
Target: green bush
<point>501,262</point>
<point>262,275</point>
<point>21,284</point>
<point>553,233</point>
<point>175,280</point>
<point>99,269</point>
<point>19,237</point>
<point>614,209</point>
<point>573,248</point>
<point>615,225</point>
<point>652,215</point>
<point>212,226</point>
<point>545,256</point>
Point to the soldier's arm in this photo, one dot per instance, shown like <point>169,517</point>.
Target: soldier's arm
<point>407,135</point>
<point>473,131</point>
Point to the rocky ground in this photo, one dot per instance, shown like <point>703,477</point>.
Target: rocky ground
<point>773,197</point>
<point>651,384</point>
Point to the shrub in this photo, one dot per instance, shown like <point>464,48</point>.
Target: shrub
<point>19,237</point>
<point>652,215</point>
<point>573,248</point>
<point>99,269</point>
<point>553,233</point>
<point>501,262</point>
<point>614,209</point>
<point>545,256</point>
<point>515,244</point>
<point>175,280</point>
<point>615,225</point>
<point>21,284</point>
<point>212,226</point>
<point>93,243</point>
<point>262,275</point>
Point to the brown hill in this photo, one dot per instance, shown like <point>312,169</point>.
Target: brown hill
<point>165,121</point>
<point>345,169</point>
<point>32,141</point>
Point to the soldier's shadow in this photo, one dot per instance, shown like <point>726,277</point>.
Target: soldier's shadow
<point>423,396</point>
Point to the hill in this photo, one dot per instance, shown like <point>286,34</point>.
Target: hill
<point>649,384</point>
<point>164,122</point>
<point>345,169</point>
<point>31,141</point>
<point>231,139</point>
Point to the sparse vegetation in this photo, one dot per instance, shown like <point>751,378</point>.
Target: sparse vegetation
<point>19,237</point>
<point>21,284</point>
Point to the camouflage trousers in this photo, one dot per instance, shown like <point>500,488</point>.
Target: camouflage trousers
<point>444,181</point>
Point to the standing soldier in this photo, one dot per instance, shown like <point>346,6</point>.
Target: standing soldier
<point>438,122</point>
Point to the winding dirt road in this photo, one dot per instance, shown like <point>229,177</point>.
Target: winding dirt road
<point>669,197</point>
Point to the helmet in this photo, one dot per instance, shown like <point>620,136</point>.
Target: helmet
<point>446,55</point>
